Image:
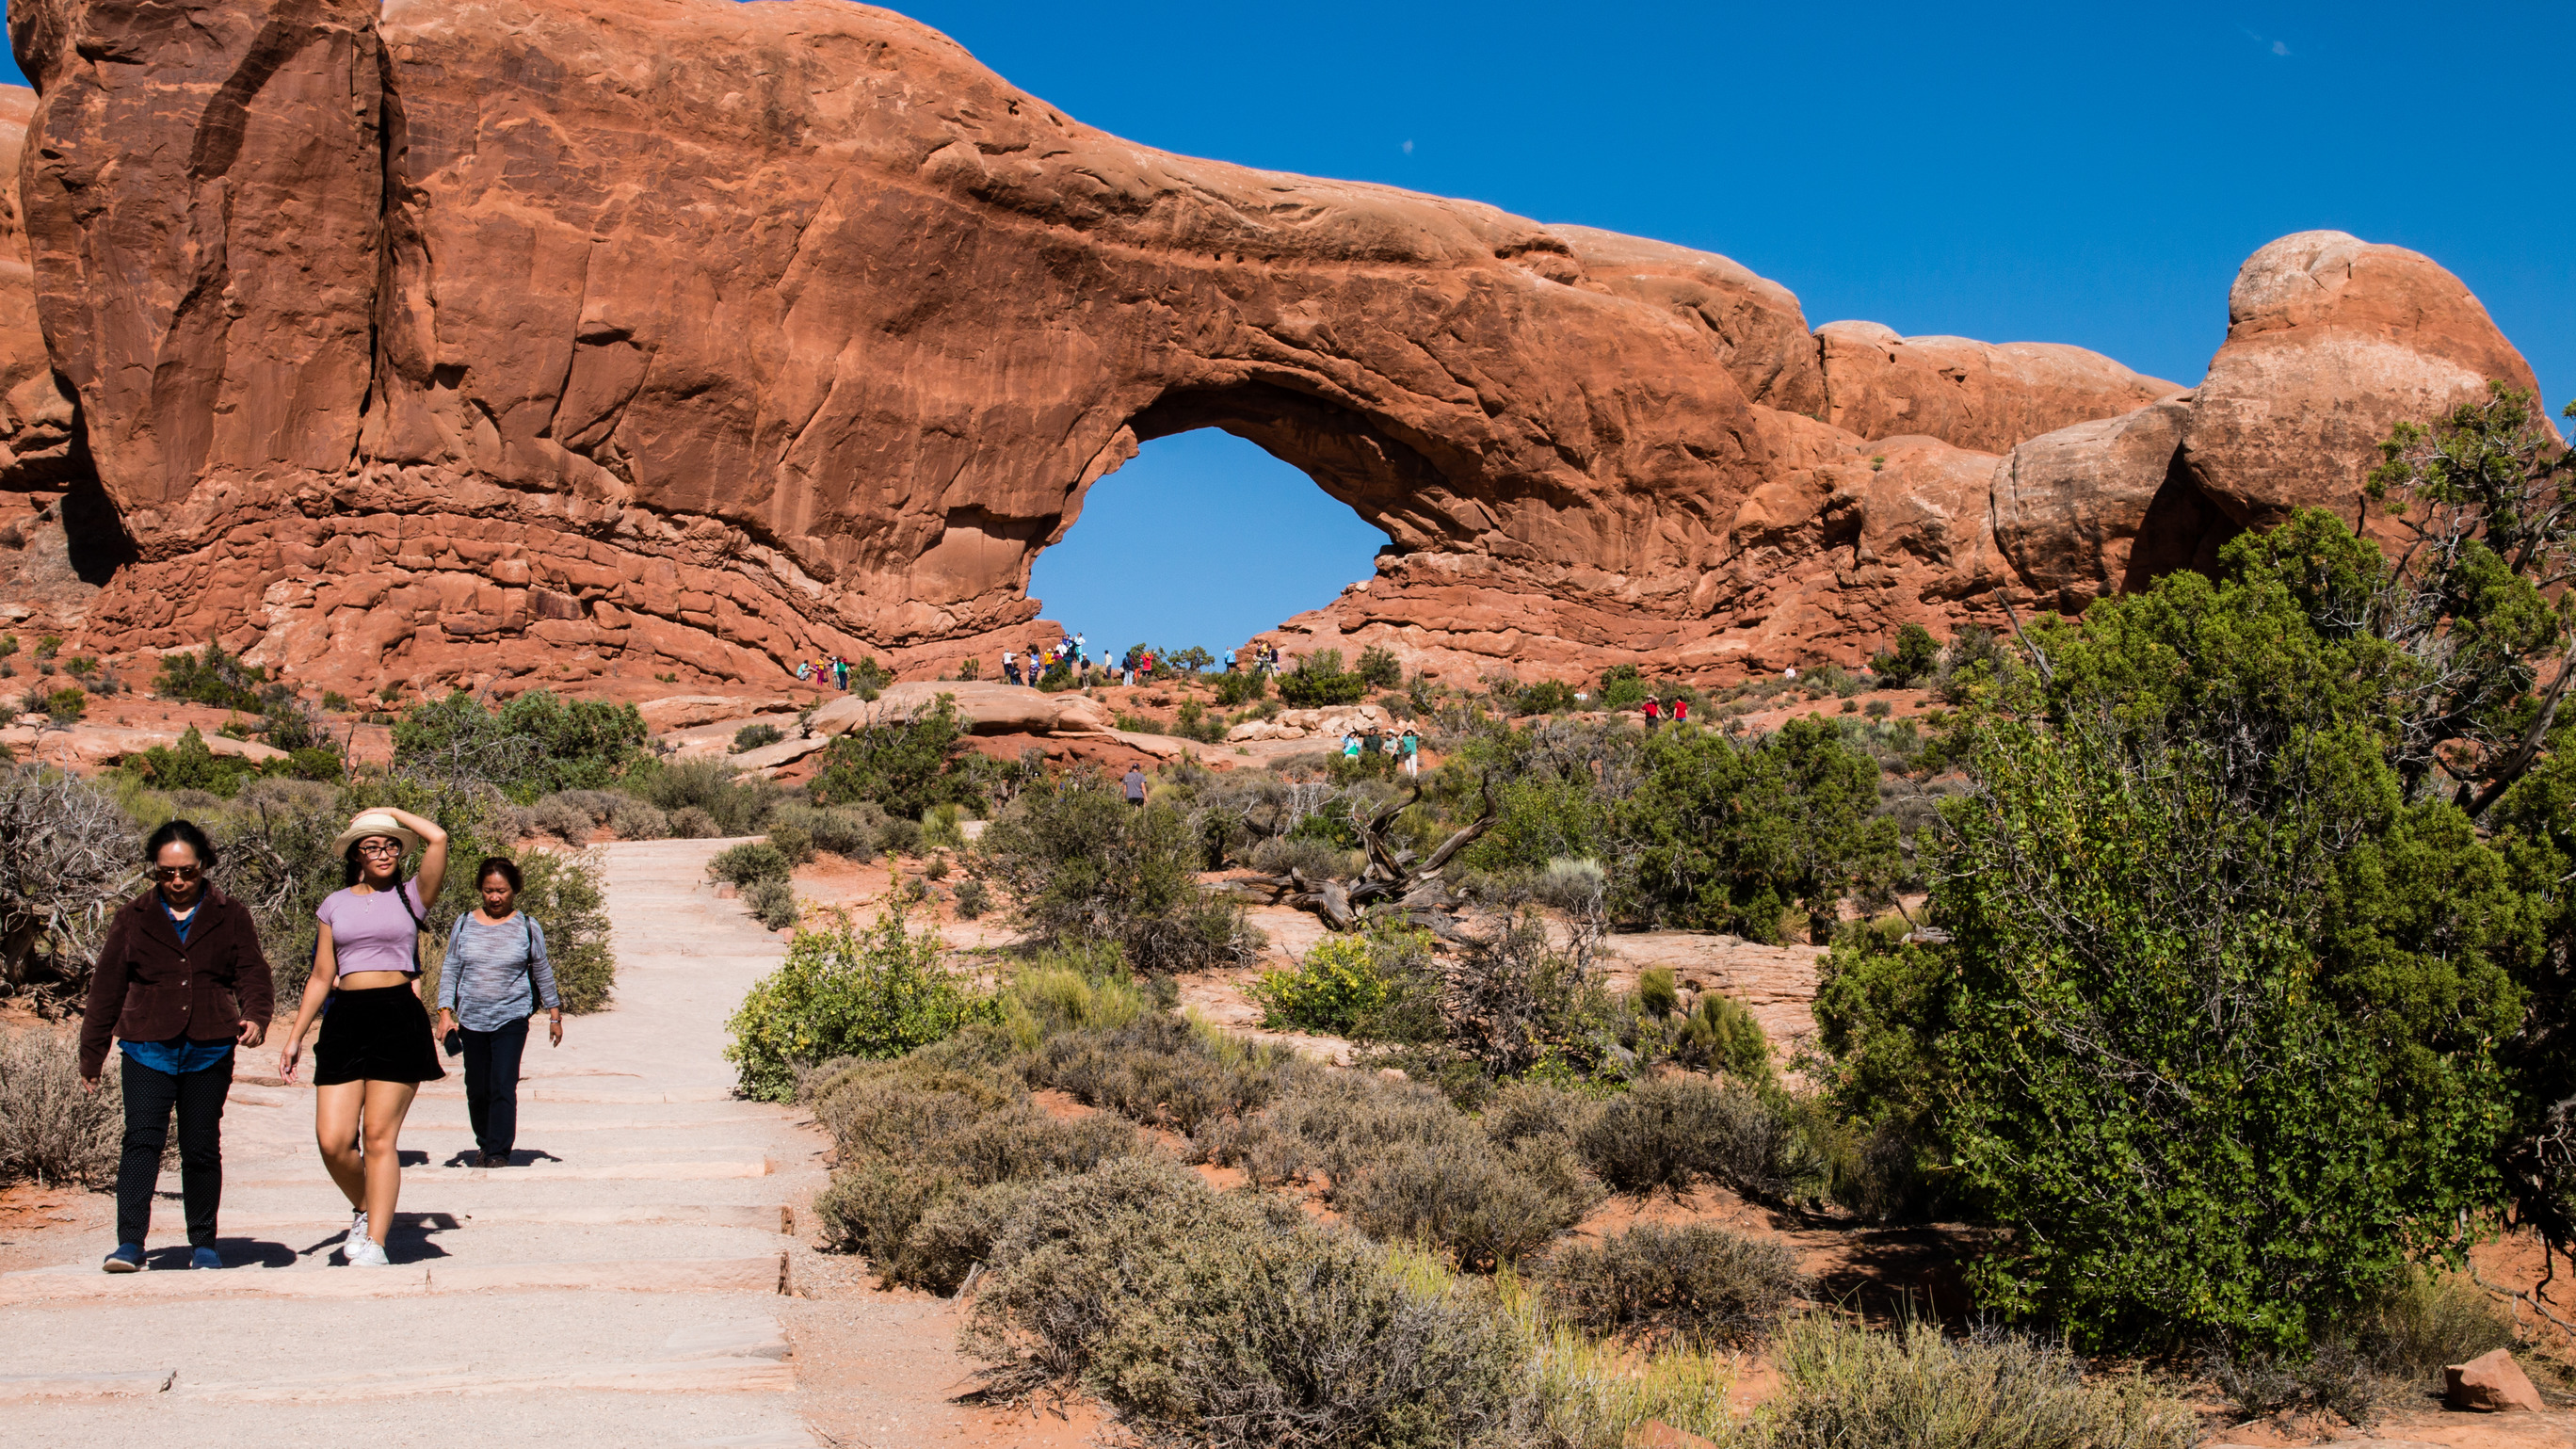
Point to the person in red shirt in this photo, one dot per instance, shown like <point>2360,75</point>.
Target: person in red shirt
<point>1654,712</point>
<point>1681,709</point>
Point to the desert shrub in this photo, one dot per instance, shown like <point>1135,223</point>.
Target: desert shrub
<point>67,705</point>
<point>772,902</point>
<point>1487,1206</point>
<point>1063,991</point>
<point>1843,1384</point>
<point>51,1129</point>
<point>1240,687</point>
<point>68,858</point>
<point>1546,696</point>
<point>1671,1132</point>
<point>904,765</point>
<point>1319,680</point>
<point>1333,990</point>
<point>563,820</point>
<point>753,736</point>
<point>1915,656</point>
<point>843,992</point>
<point>1192,721</point>
<point>791,841</point>
<point>940,828</point>
<point>1225,1319</point>
<point>1156,1070</point>
<point>212,677</point>
<point>1654,1283</point>
<point>567,896</point>
<point>727,801</point>
<point>1316,859</point>
<point>190,765</point>
<point>1658,995</point>
<point>750,861</point>
<point>973,899</point>
<point>689,822</point>
<point>844,830</point>
<point>2389,1350</point>
<point>898,836</point>
<point>1084,866</point>
<point>635,819</point>
<point>1574,885</point>
<point>934,1158</point>
<point>1721,1035</point>
<point>532,746</point>
<point>1379,668</point>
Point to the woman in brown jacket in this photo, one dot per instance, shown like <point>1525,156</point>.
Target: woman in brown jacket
<point>180,981</point>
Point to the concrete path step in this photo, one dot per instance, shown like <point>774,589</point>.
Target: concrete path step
<point>83,1282</point>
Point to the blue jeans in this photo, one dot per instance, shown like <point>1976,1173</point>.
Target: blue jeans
<point>492,1085</point>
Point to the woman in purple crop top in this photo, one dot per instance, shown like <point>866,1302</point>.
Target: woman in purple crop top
<point>375,1048</point>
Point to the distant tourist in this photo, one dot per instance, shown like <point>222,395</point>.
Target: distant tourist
<point>1147,671</point>
<point>1229,661</point>
<point>1135,783</point>
<point>1350,745</point>
<point>804,670</point>
<point>1681,709</point>
<point>1654,712</point>
<point>375,1049</point>
<point>180,982</point>
<point>1409,749</point>
<point>1010,667</point>
<point>496,977</point>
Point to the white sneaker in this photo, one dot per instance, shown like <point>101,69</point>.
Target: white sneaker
<point>357,1225</point>
<point>367,1253</point>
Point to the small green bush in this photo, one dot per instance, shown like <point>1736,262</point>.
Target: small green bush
<point>1240,687</point>
<point>1379,668</point>
<point>850,831</point>
<point>1085,866</point>
<point>772,902</point>
<point>1844,1385</point>
<point>1657,1283</point>
<point>753,736</point>
<point>750,861</point>
<point>66,705</point>
<point>1722,1035</point>
<point>1657,994</point>
<point>532,746</point>
<point>843,992</point>
<point>973,899</point>
<point>1912,660</point>
<point>1333,990</point>
<point>565,894</point>
<point>941,828</point>
<point>211,677</point>
<point>635,819</point>
<point>906,765</point>
<point>1547,696</point>
<point>1316,859</point>
<point>726,801</point>
<point>1318,680</point>
<point>691,823</point>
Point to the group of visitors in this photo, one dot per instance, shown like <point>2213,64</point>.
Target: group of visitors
<point>831,670</point>
<point>182,982</point>
<point>1072,651</point>
<point>1138,666</point>
<point>1656,711</point>
<point>1407,748</point>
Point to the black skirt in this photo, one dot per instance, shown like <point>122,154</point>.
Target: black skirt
<point>380,1034</point>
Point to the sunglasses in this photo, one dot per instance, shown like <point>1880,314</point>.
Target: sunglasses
<point>175,872</point>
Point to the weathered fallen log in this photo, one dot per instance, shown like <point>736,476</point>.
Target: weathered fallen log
<point>1392,876</point>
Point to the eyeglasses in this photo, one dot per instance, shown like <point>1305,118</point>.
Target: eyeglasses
<point>380,847</point>
<point>174,872</point>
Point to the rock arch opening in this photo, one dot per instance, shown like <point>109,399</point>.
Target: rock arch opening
<point>1204,538</point>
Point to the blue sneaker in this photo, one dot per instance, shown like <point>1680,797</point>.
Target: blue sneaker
<point>205,1258</point>
<point>128,1258</point>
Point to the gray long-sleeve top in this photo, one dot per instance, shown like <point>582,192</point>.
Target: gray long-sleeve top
<point>491,968</point>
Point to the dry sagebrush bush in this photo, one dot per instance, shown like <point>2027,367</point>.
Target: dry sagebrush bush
<point>1656,1283</point>
<point>51,1131</point>
<point>1845,1385</point>
<point>1227,1320</point>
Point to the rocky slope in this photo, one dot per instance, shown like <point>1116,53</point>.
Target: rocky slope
<point>576,342</point>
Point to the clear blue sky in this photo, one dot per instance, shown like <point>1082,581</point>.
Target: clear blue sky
<point>2085,174</point>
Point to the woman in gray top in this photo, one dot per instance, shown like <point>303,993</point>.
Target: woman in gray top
<point>495,978</point>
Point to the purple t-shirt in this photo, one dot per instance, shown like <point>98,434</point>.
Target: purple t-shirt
<point>371,932</point>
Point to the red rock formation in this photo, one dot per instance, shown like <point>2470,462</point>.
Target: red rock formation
<point>2331,341</point>
<point>685,338</point>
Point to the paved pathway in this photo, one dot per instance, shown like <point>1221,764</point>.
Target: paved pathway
<point>618,1287</point>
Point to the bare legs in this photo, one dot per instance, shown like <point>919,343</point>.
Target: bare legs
<point>345,1112</point>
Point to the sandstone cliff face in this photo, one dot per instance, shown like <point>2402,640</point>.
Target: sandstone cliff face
<point>521,337</point>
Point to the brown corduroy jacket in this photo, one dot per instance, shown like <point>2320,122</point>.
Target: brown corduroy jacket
<point>149,988</point>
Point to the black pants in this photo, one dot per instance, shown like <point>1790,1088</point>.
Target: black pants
<point>149,1096</point>
<point>492,1084</point>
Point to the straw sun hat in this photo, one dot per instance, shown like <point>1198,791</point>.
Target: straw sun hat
<point>374,822</point>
